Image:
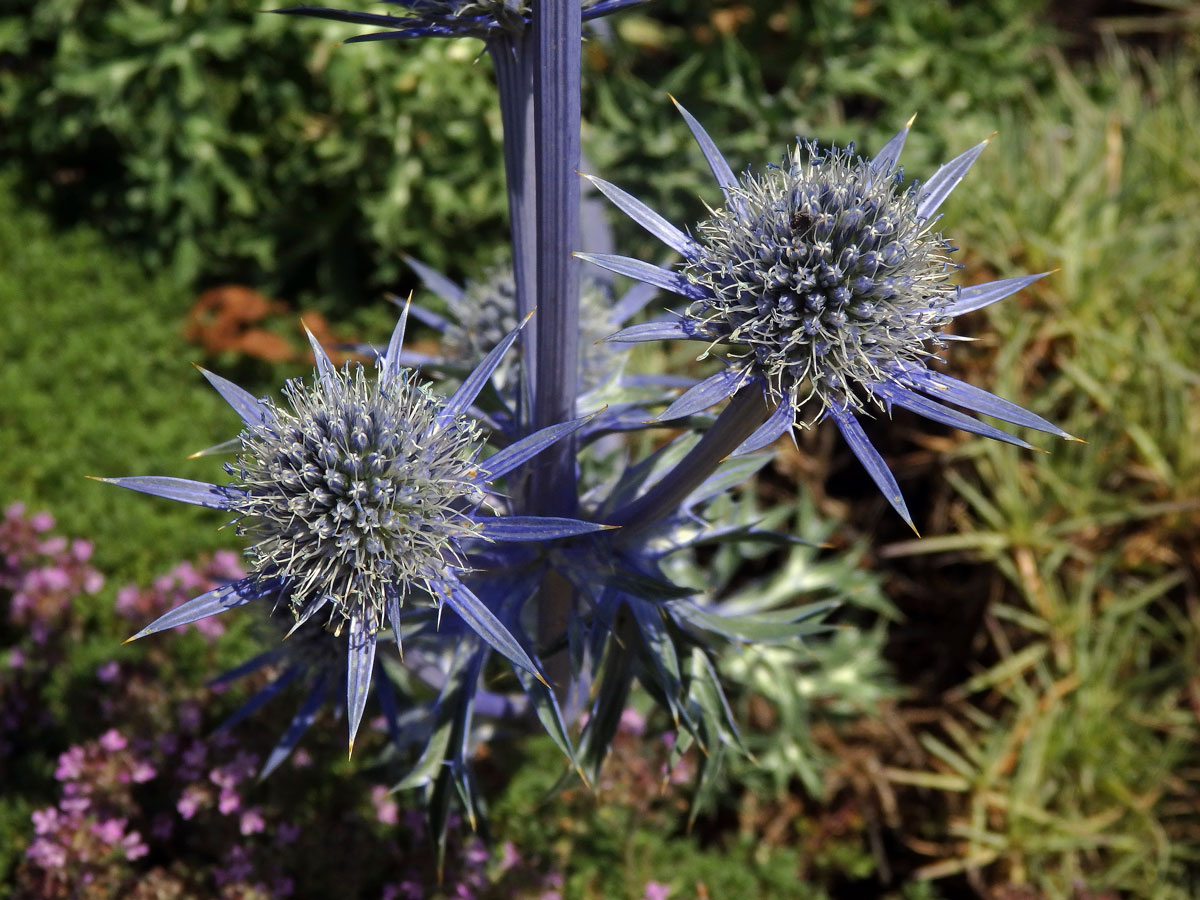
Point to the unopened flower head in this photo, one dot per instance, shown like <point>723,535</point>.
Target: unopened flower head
<point>826,275</point>
<point>350,491</point>
<point>484,19</point>
<point>487,310</point>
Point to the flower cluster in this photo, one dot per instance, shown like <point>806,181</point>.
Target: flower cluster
<point>355,494</point>
<point>42,571</point>
<point>90,823</point>
<point>824,271</point>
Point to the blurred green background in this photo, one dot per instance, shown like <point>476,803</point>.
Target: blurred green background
<point>1024,724</point>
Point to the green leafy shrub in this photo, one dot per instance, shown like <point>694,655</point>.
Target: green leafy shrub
<point>230,145</point>
<point>226,144</point>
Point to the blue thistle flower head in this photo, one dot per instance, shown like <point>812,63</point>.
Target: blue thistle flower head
<point>484,19</point>
<point>825,277</point>
<point>485,309</point>
<point>355,492</point>
<point>827,283</point>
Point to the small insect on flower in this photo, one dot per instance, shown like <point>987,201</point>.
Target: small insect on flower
<point>827,282</point>
<point>361,494</point>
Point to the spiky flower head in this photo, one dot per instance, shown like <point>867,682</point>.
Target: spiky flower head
<point>486,310</point>
<point>823,277</point>
<point>484,19</point>
<point>827,283</point>
<point>354,493</point>
<point>361,491</point>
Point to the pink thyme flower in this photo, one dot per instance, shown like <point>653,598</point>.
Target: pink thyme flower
<point>112,741</point>
<point>134,846</point>
<point>191,801</point>
<point>229,802</point>
<point>110,831</point>
<point>252,822</point>
<point>386,810</point>
<point>70,764</point>
<point>45,820</point>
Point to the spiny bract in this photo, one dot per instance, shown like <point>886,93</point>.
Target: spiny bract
<point>485,19</point>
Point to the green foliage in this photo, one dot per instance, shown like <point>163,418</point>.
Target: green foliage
<point>227,144</point>
<point>758,73</point>
<point>1080,752</point>
<point>97,383</point>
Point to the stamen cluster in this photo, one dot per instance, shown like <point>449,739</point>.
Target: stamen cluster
<point>824,271</point>
<point>354,493</point>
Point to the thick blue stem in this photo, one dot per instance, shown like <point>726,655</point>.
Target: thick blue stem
<point>556,37</point>
<point>552,488</point>
<point>746,411</point>
<point>513,61</point>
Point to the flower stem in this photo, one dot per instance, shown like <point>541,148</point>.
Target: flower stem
<point>552,488</point>
<point>747,410</point>
<point>513,60</point>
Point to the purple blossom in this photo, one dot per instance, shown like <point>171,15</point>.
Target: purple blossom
<point>47,854</point>
<point>45,820</point>
<point>190,801</point>
<point>112,741</point>
<point>229,801</point>
<point>252,822</point>
<point>134,846</point>
<point>386,809</point>
<point>109,830</point>
<point>238,867</point>
<point>70,764</point>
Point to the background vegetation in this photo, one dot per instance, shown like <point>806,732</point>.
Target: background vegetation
<point>1012,711</point>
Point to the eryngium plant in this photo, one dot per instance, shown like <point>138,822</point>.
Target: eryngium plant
<point>500,522</point>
